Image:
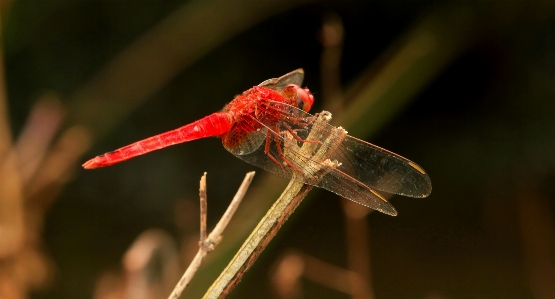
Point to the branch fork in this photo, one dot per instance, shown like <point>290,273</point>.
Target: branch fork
<point>208,243</point>
<point>286,204</point>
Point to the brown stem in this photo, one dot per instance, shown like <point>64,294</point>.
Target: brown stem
<point>203,210</point>
<point>207,243</point>
<point>270,224</point>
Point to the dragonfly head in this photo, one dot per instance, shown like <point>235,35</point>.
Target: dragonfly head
<point>304,99</point>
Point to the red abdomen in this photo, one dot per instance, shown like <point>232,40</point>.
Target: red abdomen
<point>215,124</point>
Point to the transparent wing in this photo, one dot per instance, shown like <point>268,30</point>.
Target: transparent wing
<point>363,166</point>
<point>244,138</point>
<point>294,77</point>
<point>334,180</point>
<point>381,169</point>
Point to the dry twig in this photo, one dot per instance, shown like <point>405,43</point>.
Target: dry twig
<point>207,244</point>
<point>278,213</point>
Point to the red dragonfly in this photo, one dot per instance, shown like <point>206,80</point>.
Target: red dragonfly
<point>253,128</point>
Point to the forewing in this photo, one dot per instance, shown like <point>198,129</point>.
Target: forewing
<point>361,168</point>
<point>366,163</point>
<point>381,169</point>
<point>294,77</point>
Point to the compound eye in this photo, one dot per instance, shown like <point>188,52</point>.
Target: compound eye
<point>304,98</point>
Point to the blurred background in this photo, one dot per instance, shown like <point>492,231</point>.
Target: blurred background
<point>463,88</point>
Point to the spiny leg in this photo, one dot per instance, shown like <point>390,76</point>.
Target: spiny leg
<point>303,121</point>
<point>297,137</point>
<point>267,149</point>
<point>282,156</point>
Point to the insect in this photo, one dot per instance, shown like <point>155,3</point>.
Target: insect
<point>254,127</point>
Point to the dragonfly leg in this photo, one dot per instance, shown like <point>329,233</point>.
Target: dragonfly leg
<point>304,121</point>
<point>296,137</point>
<point>282,156</point>
<point>267,150</point>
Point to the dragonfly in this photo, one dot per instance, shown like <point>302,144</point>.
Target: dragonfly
<point>257,127</point>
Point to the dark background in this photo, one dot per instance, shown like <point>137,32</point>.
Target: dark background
<point>473,104</point>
